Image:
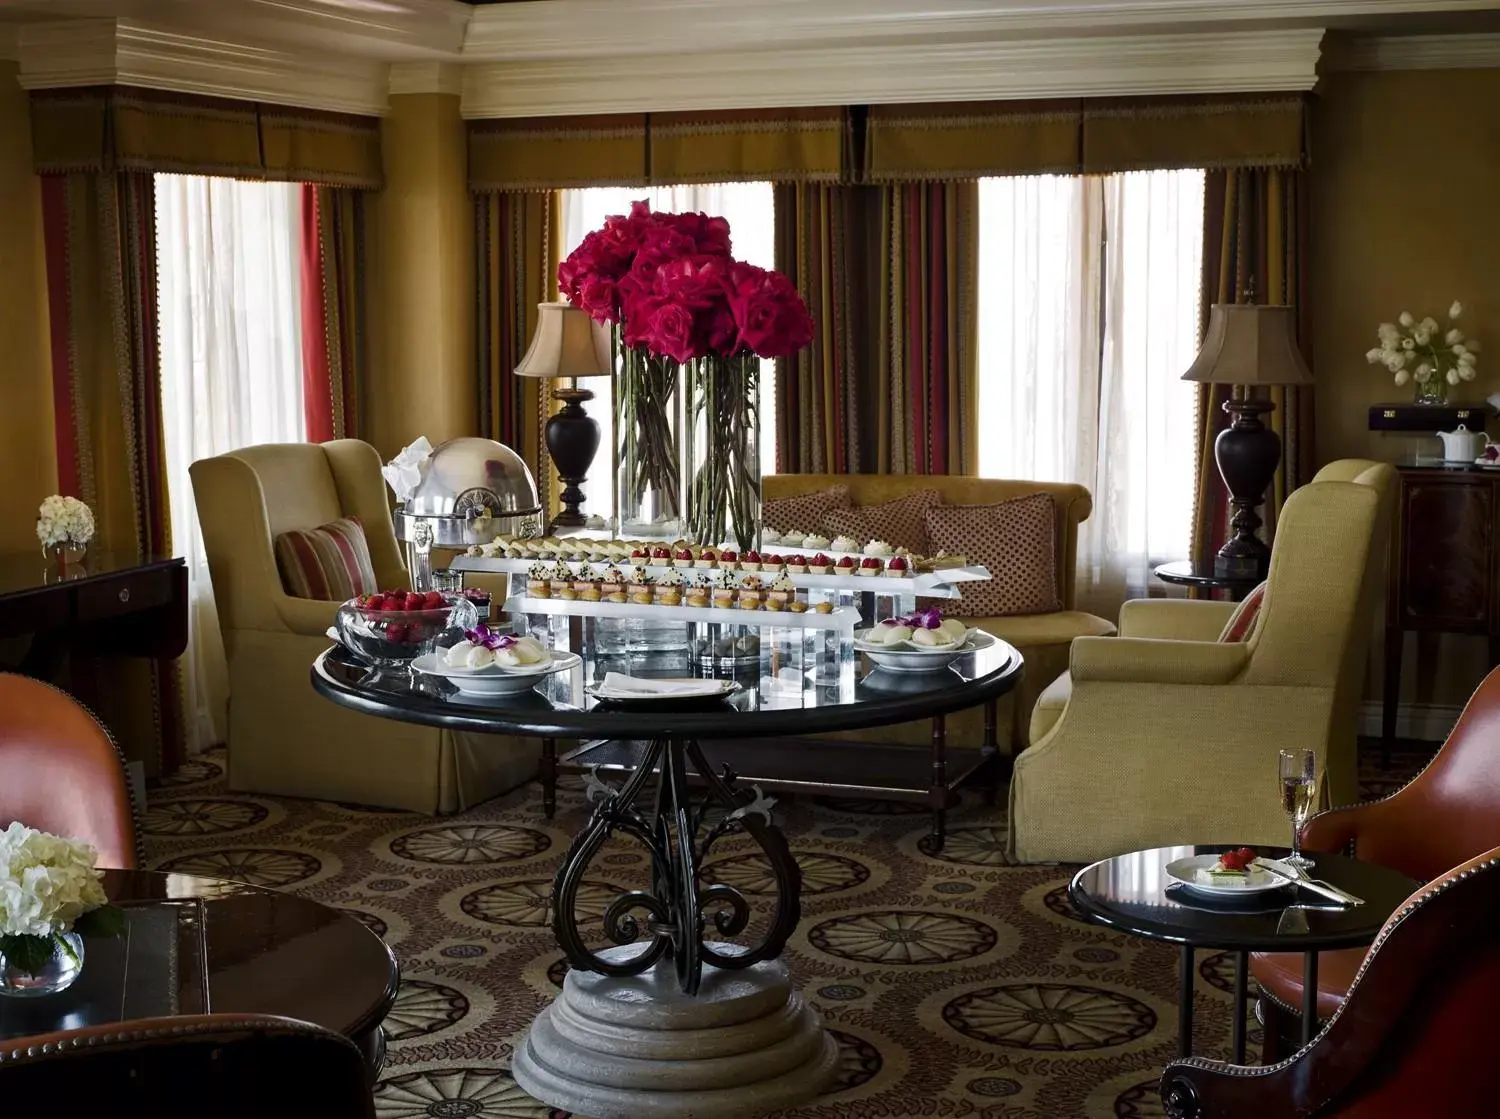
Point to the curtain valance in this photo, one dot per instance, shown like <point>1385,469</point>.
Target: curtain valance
<point>110,128</point>
<point>1146,134</point>
<point>969,140</point>
<point>549,153</point>
<point>780,145</point>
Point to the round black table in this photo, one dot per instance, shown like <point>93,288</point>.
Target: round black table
<point>676,828</point>
<point>206,946</point>
<point>1184,573</point>
<point>1133,894</point>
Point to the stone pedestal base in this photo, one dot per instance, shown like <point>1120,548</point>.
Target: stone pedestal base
<point>746,1044</point>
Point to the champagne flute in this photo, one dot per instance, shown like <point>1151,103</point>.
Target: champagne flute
<point>1297,770</point>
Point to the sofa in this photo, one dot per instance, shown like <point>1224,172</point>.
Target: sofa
<point>1043,639</point>
<point>1168,734</point>
<point>284,738</point>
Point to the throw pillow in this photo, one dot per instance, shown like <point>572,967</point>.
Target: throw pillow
<point>899,523</point>
<point>1016,540</point>
<point>804,512</point>
<point>330,563</point>
<point>1242,621</point>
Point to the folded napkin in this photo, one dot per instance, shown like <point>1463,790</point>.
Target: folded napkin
<point>621,684</point>
<point>404,471</point>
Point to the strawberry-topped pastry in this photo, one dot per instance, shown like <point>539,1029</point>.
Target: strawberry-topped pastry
<point>751,561</point>
<point>820,564</point>
<point>871,565</point>
<point>845,565</point>
<point>661,556</point>
<point>796,565</point>
<point>706,558</point>
<point>1232,869</point>
<point>640,555</point>
<point>682,556</point>
<point>729,559</point>
<point>897,567</point>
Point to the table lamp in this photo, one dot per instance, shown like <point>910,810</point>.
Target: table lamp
<point>568,344</point>
<point>1250,345</point>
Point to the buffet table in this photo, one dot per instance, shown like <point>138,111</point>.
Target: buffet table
<point>720,1022</point>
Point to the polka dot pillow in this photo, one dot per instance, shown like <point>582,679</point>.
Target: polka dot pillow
<point>899,523</point>
<point>806,511</point>
<point>1016,540</point>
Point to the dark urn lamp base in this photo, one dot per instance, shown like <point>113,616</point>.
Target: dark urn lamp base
<point>1247,453</point>
<point>572,438</point>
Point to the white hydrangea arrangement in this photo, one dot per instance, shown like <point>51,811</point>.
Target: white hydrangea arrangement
<point>1426,353</point>
<point>64,520</point>
<point>48,886</point>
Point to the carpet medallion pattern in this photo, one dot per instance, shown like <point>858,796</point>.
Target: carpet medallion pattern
<point>954,983</point>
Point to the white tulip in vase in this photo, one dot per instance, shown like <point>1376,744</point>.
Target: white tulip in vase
<point>1424,354</point>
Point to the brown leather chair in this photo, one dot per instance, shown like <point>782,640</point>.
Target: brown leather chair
<point>1416,1035</point>
<point>61,772</point>
<point>1448,813</point>
<point>230,1066</point>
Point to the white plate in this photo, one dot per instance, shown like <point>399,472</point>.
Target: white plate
<point>1184,871</point>
<point>495,680</point>
<point>906,657</point>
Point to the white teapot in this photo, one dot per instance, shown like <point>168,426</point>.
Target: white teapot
<point>1462,445</point>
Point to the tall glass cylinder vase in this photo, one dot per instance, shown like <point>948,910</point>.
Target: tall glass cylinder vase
<point>648,408</point>
<point>721,451</point>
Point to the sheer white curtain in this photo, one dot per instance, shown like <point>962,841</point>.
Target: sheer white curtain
<point>228,274</point>
<point>1088,293</point>
<point>750,209</point>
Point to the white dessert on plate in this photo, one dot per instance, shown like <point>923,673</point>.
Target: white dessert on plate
<point>877,548</point>
<point>844,544</point>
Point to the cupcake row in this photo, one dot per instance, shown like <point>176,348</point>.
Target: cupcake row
<point>724,590</point>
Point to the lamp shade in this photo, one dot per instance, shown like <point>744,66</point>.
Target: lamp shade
<point>1249,344</point>
<point>567,343</point>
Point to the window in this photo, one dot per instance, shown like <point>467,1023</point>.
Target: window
<point>750,210</point>
<point>1088,296</point>
<point>229,322</point>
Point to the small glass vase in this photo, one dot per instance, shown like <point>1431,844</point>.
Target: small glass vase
<point>648,479</point>
<point>721,451</point>
<point>67,554</point>
<point>58,974</point>
<point>1432,391</point>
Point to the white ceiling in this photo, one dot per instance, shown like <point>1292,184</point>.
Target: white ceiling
<point>578,56</point>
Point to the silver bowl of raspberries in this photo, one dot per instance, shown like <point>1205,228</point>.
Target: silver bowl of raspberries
<point>397,627</point>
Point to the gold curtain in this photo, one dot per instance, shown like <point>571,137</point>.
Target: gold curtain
<point>969,140</point>
<point>100,236</point>
<point>1141,134</point>
<point>109,128</point>
<point>1254,249</point>
<point>519,235</point>
<point>551,153</point>
<point>926,419</point>
<point>819,246</point>
<point>334,355</point>
<point>782,145</point>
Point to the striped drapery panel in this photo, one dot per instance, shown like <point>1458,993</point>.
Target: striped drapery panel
<point>334,354</point>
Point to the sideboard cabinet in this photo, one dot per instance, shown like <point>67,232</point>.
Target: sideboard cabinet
<point>1445,564</point>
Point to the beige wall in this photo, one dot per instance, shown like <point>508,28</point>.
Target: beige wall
<point>28,463</point>
<point>1405,215</point>
<point>421,279</point>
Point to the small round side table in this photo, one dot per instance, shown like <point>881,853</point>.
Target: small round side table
<point>1184,573</point>
<point>1132,894</point>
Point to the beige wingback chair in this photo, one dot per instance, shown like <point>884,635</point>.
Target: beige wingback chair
<point>284,738</point>
<point>1165,735</point>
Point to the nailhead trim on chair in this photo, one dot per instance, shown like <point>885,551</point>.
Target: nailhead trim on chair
<point>135,815</point>
<point>1416,902</point>
<point>187,1029</point>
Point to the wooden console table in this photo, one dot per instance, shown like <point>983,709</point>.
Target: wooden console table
<point>1445,566</point>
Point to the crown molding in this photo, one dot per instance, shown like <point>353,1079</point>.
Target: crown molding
<point>1079,67</point>
<point>123,52</point>
<point>557,29</point>
<point>1415,52</point>
<point>426,77</point>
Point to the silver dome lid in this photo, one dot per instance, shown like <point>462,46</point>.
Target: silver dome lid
<point>471,491</point>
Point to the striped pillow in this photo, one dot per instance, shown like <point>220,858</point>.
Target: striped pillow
<point>330,563</point>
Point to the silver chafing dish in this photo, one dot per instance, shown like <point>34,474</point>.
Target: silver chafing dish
<point>472,490</point>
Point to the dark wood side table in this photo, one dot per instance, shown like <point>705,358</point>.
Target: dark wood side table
<point>1445,566</point>
<point>1184,573</point>
<point>108,605</point>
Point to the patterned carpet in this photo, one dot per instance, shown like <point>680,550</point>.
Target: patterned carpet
<point>956,985</point>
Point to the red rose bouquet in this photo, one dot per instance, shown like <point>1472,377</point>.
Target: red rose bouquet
<point>680,304</point>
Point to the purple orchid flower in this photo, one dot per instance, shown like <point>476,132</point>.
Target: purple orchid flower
<point>483,635</point>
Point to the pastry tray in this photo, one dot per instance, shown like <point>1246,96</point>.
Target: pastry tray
<point>843,619</point>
